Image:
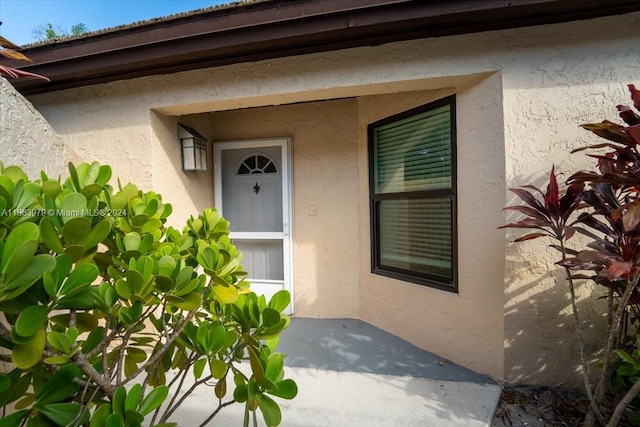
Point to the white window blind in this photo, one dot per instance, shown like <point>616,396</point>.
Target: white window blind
<point>413,197</point>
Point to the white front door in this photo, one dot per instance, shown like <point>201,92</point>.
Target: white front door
<point>252,185</point>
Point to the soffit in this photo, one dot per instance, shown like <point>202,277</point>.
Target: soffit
<point>242,32</point>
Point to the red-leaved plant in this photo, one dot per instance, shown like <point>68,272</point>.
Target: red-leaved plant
<point>11,51</point>
<point>603,205</point>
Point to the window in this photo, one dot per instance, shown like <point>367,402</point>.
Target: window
<point>257,163</point>
<point>412,188</point>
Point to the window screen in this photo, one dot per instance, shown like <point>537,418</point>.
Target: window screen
<point>412,192</point>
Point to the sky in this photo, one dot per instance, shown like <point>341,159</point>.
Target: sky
<point>20,17</point>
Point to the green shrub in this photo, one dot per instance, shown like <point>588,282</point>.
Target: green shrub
<point>107,310</point>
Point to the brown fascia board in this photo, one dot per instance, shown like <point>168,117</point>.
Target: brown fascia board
<point>279,28</point>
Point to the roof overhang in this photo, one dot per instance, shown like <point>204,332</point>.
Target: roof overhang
<point>242,32</point>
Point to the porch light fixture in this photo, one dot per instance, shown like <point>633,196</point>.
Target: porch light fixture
<point>194,149</point>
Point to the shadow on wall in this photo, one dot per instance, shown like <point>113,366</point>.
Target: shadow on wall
<point>541,346</point>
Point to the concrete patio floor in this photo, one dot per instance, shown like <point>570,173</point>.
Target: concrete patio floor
<point>350,373</point>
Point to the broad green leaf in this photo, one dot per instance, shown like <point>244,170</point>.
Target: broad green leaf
<point>241,394</point>
<point>225,294</point>
<point>625,356</point>
<point>73,333</point>
<point>19,385</point>
<point>136,354</point>
<point>218,368</point>
<point>198,367</point>
<point>256,366</point>
<point>270,410</point>
<point>82,299</point>
<point>221,388</point>
<point>91,190</point>
<point>73,205</point>
<point>114,420</point>
<point>49,235</point>
<point>27,401</point>
<point>275,363</point>
<point>130,366</point>
<point>19,248</point>
<point>270,317</point>
<point>230,338</point>
<point>92,341</point>
<point>73,177</point>
<point>60,386</point>
<point>135,280</point>
<point>15,173</point>
<point>124,289</point>
<point>272,343</point>
<point>154,399</point>
<point>131,241</point>
<point>626,370</point>
<point>268,385</point>
<point>64,413</point>
<point>75,230</point>
<point>133,397</point>
<point>151,225</point>
<point>15,419</point>
<point>117,402</point>
<point>80,278</point>
<point>280,300</point>
<point>104,175</point>
<point>76,252</point>
<point>133,418</point>
<point>89,174</point>
<point>59,341</point>
<point>56,360</point>
<point>229,268</point>
<point>24,356</point>
<point>53,279</point>
<point>31,320</point>
<point>98,233</point>
<point>5,382</point>
<point>189,302</point>
<point>287,389</point>
<point>100,415</point>
<point>85,322</point>
<point>51,188</point>
<point>27,276</point>
<point>207,258</point>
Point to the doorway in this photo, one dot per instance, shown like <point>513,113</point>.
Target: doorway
<point>253,192</point>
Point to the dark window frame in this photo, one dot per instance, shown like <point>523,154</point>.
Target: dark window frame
<point>410,276</point>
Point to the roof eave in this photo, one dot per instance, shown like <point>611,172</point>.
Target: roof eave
<point>280,28</point>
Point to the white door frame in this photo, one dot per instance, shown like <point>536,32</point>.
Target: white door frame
<point>287,213</point>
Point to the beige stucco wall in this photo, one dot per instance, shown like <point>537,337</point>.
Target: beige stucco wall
<point>27,140</point>
<point>439,320</point>
<point>521,94</point>
<point>325,175</point>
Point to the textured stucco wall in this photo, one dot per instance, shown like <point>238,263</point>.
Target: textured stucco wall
<point>27,140</point>
<point>325,175</point>
<point>188,192</point>
<point>548,79</point>
<point>466,327</point>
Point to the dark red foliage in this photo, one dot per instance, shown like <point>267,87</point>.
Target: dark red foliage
<point>608,199</point>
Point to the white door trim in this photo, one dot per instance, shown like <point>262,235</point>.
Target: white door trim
<point>287,212</point>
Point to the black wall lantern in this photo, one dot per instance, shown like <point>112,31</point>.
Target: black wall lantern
<point>194,149</point>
